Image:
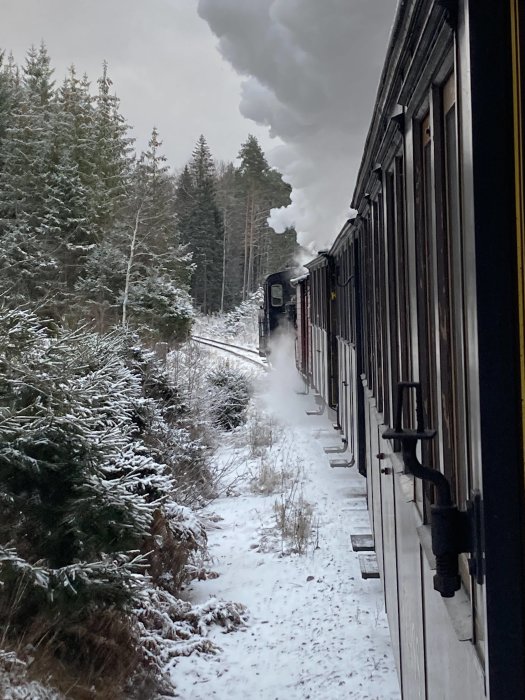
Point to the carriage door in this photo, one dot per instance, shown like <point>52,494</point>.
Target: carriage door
<point>443,366</point>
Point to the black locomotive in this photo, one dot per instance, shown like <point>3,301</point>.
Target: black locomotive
<point>412,329</point>
<point>277,311</point>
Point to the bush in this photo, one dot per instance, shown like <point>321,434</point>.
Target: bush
<point>159,310</point>
<point>230,395</point>
<point>92,449</point>
<point>166,426</point>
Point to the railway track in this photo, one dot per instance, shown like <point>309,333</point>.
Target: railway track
<point>238,350</point>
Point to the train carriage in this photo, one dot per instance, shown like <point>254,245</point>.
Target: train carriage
<point>303,343</point>
<point>417,318</point>
<point>321,356</point>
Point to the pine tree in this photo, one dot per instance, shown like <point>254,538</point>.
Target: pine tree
<point>103,156</point>
<point>230,201</point>
<point>28,143</point>
<point>201,227</point>
<point>92,441</point>
<point>112,159</point>
<point>158,267</point>
<point>252,194</point>
<point>254,171</point>
<point>184,203</point>
<point>27,252</point>
<point>9,95</point>
<point>69,194</point>
<point>276,250</point>
<point>99,288</point>
<point>74,508</point>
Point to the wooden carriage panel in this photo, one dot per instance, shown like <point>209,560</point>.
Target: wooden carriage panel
<point>351,391</point>
<point>411,625</point>
<point>453,666</point>
<point>347,410</point>
<point>374,478</point>
<point>367,430</point>
<point>299,331</point>
<point>302,342</point>
<point>344,380</point>
<point>389,533</point>
<point>319,361</point>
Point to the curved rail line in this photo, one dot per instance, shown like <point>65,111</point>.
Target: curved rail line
<point>237,350</point>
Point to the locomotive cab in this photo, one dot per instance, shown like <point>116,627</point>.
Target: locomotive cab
<point>278,309</point>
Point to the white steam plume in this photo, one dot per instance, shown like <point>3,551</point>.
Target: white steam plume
<point>312,69</point>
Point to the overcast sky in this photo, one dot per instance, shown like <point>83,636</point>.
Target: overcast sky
<point>305,71</point>
<point>162,59</point>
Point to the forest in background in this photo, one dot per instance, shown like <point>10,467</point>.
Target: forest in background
<point>92,232</point>
<point>105,456</point>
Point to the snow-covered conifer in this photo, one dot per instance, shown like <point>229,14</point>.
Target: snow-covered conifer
<point>26,254</point>
<point>112,157</point>
<point>155,296</point>
<point>201,226</point>
<point>80,485</point>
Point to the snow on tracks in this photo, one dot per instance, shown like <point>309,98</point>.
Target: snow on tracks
<point>247,354</point>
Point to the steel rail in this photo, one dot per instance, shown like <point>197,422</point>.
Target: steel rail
<point>232,349</point>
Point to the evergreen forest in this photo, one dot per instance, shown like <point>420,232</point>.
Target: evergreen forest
<point>104,454</point>
<point>92,232</point>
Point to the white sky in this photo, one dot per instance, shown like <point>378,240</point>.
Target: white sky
<point>162,59</point>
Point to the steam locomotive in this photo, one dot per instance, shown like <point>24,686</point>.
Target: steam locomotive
<point>277,312</point>
<point>411,328</point>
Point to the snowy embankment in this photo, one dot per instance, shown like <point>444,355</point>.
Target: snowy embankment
<point>279,539</point>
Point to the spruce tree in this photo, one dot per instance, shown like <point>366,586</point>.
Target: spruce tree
<point>74,508</point>
<point>105,165</point>
<point>262,189</point>
<point>254,170</point>
<point>27,251</point>
<point>201,227</point>
<point>9,95</point>
<point>112,158</point>
<point>230,201</point>
<point>158,267</point>
<point>68,217</point>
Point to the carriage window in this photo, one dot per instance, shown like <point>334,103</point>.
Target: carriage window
<point>428,351</point>
<point>449,259</point>
<point>450,238</point>
<point>276,294</point>
<point>368,322</point>
<point>392,287</point>
<point>402,268</point>
<point>426,300</point>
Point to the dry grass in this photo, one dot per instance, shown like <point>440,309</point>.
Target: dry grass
<point>262,434</point>
<point>267,478</point>
<point>280,473</point>
<point>89,659</point>
<point>167,554</point>
<point>294,517</point>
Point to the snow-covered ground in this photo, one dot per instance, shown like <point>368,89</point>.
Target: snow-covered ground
<point>315,628</point>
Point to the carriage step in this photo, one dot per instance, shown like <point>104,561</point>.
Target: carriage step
<point>344,463</point>
<point>368,564</point>
<point>320,403</point>
<point>334,450</point>
<point>362,543</point>
<point>315,413</point>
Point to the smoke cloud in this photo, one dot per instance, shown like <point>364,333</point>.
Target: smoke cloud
<point>311,72</point>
